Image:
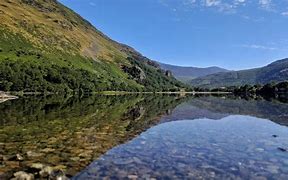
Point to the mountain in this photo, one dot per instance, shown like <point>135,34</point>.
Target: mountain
<point>274,72</point>
<point>45,46</point>
<point>185,74</point>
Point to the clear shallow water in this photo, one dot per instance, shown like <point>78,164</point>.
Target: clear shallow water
<point>62,135</point>
<point>205,138</point>
<point>190,137</point>
<point>230,148</point>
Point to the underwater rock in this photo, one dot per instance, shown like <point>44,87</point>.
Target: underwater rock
<point>19,157</point>
<point>282,149</point>
<point>21,175</point>
<point>33,154</point>
<point>37,166</point>
<point>132,177</point>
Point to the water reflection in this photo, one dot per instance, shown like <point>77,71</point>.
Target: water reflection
<point>235,147</point>
<point>58,134</point>
<point>212,107</point>
<point>205,137</point>
<point>67,133</point>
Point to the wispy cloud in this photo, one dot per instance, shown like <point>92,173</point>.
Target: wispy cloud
<point>256,46</point>
<point>232,6</point>
<point>284,13</point>
<point>92,4</point>
<point>210,3</point>
<point>224,6</point>
<point>265,3</point>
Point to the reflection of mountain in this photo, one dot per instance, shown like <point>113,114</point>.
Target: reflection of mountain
<point>190,111</point>
<point>72,132</point>
<point>274,110</point>
<point>193,149</point>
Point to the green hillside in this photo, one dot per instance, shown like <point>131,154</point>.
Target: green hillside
<point>44,46</point>
<point>274,72</point>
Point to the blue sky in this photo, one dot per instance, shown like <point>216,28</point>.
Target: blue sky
<point>234,34</point>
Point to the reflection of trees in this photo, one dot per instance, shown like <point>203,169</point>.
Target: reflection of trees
<point>73,131</point>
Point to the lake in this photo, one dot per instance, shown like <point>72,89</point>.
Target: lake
<point>144,137</point>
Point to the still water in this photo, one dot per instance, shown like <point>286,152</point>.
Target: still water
<point>145,137</point>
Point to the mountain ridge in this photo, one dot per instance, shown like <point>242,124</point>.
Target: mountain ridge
<point>188,73</point>
<point>276,71</point>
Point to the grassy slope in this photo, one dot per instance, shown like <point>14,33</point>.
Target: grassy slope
<point>43,34</point>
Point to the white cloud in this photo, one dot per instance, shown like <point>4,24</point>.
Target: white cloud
<point>230,6</point>
<point>255,46</point>
<point>220,5</point>
<point>190,1</point>
<point>284,13</point>
<point>239,2</point>
<point>266,4</point>
<point>210,3</point>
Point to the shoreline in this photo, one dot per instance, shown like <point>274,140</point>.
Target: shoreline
<point>8,94</point>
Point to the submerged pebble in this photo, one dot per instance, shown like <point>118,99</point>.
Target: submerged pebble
<point>197,149</point>
<point>282,149</point>
<point>21,175</point>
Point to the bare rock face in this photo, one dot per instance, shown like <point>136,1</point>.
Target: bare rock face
<point>135,72</point>
<point>39,5</point>
<point>140,73</point>
<point>64,24</point>
<point>168,73</point>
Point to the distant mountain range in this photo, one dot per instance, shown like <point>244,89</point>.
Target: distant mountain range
<point>186,74</point>
<point>274,72</point>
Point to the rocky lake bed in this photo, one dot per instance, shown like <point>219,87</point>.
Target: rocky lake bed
<point>143,137</point>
